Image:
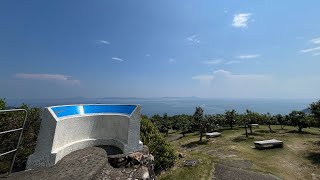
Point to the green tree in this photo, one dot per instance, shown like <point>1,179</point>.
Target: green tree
<point>184,124</point>
<point>2,104</point>
<point>212,122</point>
<point>200,120</point>
<point>315,110</point>
<point>282,120</point>
<point>231,117</point>
<point>158,146</point>
<point>298,119</point>
<point>252,118</point>
<point>268,120</point>
<point>162,123</point>
<point>245,119</point>
<point>249,118</point>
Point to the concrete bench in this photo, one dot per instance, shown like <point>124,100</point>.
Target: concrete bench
<point>268,144</point>
<point>254,125</point>
<point>68,128</point>
<point>212,135</point>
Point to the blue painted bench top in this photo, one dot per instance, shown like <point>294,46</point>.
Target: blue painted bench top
<point>70,110</point>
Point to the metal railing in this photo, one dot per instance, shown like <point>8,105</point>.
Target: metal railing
<point>14,130</point>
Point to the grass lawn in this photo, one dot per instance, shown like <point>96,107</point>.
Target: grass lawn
<point>299,159</point>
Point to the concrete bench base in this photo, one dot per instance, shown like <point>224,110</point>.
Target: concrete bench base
<point>61,135</point>
<point>272,143</point>
<point>212,135</point>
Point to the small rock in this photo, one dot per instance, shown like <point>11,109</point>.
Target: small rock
<point>137,156</point>
<point>190,163</point>
<point>181,155</point>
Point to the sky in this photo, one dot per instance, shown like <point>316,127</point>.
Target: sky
<point>143,48</point>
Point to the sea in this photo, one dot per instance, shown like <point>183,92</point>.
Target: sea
<point>179,105</point>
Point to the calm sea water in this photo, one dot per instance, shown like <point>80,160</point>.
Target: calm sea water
<point>172,106</point>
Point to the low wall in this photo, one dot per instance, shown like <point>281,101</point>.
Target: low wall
<point>65,129</point>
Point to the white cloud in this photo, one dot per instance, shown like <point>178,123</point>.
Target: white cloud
<point>103,42</point>
<point>241,20</point>
<point>222,83</point>
<point>315,40</point>
<point>249,56</point>
<point>48,77</point>
<point>212,62</point>
<point>227,74</point>
<point>194,39</point>
<point>310,49</point>
<point>223,74</point>
<point>203,77</point>
<point>117,59</point>
<point>148,55</point>
<point>171,61</point>
<point>233,62</point>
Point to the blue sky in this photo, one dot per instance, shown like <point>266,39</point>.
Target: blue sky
<point>241,49</point>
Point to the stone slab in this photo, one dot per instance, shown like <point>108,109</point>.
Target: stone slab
<point>81,164</point>
<point>268,143</point>
<point>213,134</point>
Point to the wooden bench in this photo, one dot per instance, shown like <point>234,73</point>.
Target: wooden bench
<point>268,144</point>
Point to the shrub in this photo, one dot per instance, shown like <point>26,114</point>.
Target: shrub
<point>163,152</point>
<point>13,120</point>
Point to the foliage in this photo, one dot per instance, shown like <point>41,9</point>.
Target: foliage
<point>163,152</point>
<point>315,110</point>
<point>200,120</point>
<point>231,117</point>
<point>298,119</point>
<point>268,120</point>
<point>163,123</point>
<point>13,120</point>
<point>213,122</point>
<point>184,124</point>
<point>2,104</point>
<point>281,120</point>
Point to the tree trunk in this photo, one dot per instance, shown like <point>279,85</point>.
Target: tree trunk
<point>245,126</point>
<point>231,126</point>
<point>282,126</point>
<point>270,127</point>
<point>250,129</point>
<point>200,136</point>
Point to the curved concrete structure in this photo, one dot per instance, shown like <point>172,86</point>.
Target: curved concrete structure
<point>65,129</point>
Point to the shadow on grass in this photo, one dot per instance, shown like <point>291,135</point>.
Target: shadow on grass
<point>317,143</point>
<point>254,134</point>
<point>302,132</point>
<point>195,144</point>
<point>221,129</point>
<point>265,131</point>
<point>314,157</point>
<point>241,138</point>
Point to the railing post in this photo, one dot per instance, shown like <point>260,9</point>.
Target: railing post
<point>20,136</point>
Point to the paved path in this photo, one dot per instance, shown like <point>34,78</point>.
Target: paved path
<point>223,172</point>
<point>82,164</point>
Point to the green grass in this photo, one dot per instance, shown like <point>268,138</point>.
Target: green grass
<point>202,170</point>
<point>299,159</point>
